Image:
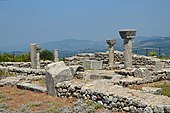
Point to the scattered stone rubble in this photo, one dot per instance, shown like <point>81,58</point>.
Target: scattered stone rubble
<point>58,72</point>
<point>12,81</point>
<point>32,87</point>
<point>157,91</point>
<point>24,64</point>
<point>104,81</point>
<point>115,98</point>
<point>22,71</point>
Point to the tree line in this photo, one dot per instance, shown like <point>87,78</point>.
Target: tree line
<point>25,57</point>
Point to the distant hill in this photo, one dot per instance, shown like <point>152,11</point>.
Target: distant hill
<point>74,46</point>
<point>153,42</point>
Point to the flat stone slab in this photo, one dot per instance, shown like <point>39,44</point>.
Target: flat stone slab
<point>9,81</point>
<point>32,87</point>
<point>101,74</point>
<point>14,80</point>
<point>153,90</point>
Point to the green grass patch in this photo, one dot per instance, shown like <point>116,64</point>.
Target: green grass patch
<point>3,106</point>
<point>41,81</point>
<point>5,74</point>
<point>4,98</point>
<point>94,104</point>
<point>164,57</point>
<point>35,104</point>
<point>165,88</point>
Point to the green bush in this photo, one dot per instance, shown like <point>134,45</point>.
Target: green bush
<point>14,58</point>
<point>153,53</point>
<point>46,55</point>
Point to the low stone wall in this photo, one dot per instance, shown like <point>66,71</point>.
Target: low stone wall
<point>110,100</point>
<point>23,64</point>
<point>137,78</point>
<point>22,71</point>
<point>118,57</point>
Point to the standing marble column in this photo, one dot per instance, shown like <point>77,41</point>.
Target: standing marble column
<point>111,44</point>
<point>35,56</point>
<point>38,60</point>
<point>56,59</point>
<point>127,35</point>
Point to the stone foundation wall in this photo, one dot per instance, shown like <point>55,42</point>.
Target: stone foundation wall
<point>23,64</point>
<point>118,57</point>
<point>110,101</point>
<point>22,71</point>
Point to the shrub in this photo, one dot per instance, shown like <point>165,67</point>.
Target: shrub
<point>46,55</point>
<point>152,53</point>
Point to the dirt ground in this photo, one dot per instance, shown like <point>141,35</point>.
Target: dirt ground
<point>13,99</point>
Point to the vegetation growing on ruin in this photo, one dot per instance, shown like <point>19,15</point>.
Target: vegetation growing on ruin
<point>4,74</point>
<point>165,57</point>
<point>165,85</point>
<point>165,88</point>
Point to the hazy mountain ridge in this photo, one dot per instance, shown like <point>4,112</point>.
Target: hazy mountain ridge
<point>85,45</point>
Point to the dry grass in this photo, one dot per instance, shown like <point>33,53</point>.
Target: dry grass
<point>13,99</point>
<point>165,85</point>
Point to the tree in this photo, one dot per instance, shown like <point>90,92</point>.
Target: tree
<point>46,55</point>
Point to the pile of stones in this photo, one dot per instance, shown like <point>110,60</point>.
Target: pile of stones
<point>24,64</point>
<point>22,71</point>
<point>110,101</point>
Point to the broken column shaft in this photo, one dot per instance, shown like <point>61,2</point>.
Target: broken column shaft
<point>111,44</point>
<point>35,56</point>
<point>56,59</point>
<point>127,35</point>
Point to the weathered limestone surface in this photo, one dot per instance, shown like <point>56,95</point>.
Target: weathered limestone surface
<point>142,73</point>
<point>128,53</point>
<point>24,64</point>
<point>56,59</point>
<point>92,64</point>
<point>35,56</point>
<point>127,35</point>
<point>114,97</point>
<point>11,81</point>
<point>76,68</point>
<point>55,73</point>
<point>111,44</point>
<point>138,60</point>
<point>159,65</point>
<point>32,87</point>
<point>101,74</point>
<point>22,71</point>
<point>153,90</point>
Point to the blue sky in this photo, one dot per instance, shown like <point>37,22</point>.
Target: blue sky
<point>26,21</point>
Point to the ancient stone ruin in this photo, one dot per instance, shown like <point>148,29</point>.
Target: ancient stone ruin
<point>111,44</point>
<point>104,77</point>
<point>127,35</point>
<point>56,59</point>
<point>35,56</point>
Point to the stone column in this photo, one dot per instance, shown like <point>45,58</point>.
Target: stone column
<point>127,35</point>
<point>111,44</point>
<point>56,59</point>
<point>35,56</point>
<point>38,60</point>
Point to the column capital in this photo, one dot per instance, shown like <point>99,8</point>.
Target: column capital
<point>111,42</point>
<point>127,33</point>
